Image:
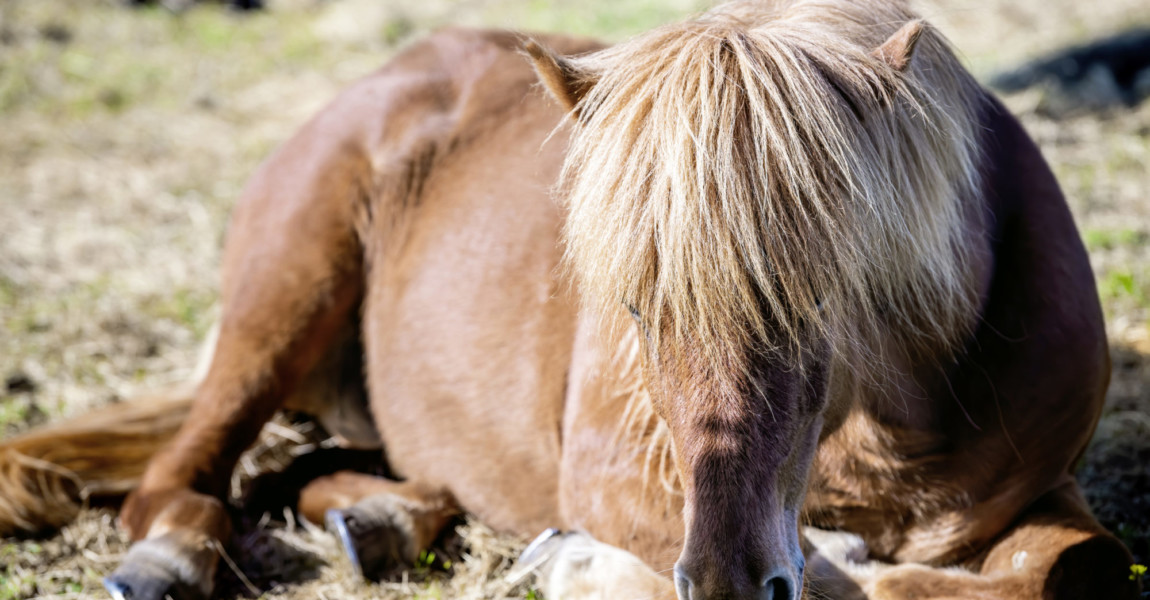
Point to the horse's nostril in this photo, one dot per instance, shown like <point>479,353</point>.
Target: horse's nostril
<point>778,587</point>
<point>684,587</point>
<point>728,586</point>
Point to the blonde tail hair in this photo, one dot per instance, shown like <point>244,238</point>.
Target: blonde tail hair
<point>48,474</point>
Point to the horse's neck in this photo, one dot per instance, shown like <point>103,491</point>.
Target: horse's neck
<point>885,384</point>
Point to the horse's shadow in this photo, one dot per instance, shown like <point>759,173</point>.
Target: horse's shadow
<point>273,546</point>
<point>1115,470</point>
<point>265,557</point>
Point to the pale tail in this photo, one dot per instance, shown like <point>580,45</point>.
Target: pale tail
<point>48,474</point>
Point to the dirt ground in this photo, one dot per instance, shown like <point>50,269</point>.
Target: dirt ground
<point>125,136</point>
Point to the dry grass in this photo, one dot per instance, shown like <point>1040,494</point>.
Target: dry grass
<point>125,136</point>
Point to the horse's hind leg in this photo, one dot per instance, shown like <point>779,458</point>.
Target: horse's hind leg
<point>381,523</point>
<point>291,276</point>
<point>1056,551</point>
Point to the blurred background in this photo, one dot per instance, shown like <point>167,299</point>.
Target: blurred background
<point>126,132</point>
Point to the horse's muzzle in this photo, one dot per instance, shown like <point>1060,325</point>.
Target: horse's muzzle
<point>782,582</point>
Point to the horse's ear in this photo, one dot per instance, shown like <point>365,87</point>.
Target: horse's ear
<point>567,83</point>
<point>897,50</point>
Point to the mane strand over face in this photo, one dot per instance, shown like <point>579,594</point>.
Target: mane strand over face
<point>761,177</point>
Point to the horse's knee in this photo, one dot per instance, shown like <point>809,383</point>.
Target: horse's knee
<point>1063,551</point>
<point>149,514</point>
<point>1090,566</point>
<point>1064,562</point>
<point>1098,567</point>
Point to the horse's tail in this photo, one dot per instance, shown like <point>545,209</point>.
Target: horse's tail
<point>47,475</point>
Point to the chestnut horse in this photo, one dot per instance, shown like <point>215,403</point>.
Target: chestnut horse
<point>784,264</point>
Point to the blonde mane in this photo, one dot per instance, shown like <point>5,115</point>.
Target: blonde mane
<point>641,427</point>
<point>758,176</point>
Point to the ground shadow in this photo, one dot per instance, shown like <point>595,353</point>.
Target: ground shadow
<point>1115,471</point>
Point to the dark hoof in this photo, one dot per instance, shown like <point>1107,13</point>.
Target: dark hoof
<point>337,526</point>
<point>377,535</point>
<point>160,568</point>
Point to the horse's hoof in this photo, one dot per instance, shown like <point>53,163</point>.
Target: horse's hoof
<point>574,565</point>
<point>377,534</point>
<point>160,568</point>
<point>541,547</point>
<point>337,526</point>
<point>131,582</point>
<point>536,555</point>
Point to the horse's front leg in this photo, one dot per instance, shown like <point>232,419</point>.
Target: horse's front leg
<point>1055,551</point>
<point>292,276</point>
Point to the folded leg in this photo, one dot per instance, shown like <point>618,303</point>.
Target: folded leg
<point>382,524</point>
<point>292,276</point>
<point>1056,551</point>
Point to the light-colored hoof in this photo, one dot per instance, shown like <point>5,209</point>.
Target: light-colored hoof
<point>542,547</point>
<point>845,550</point>
<point>839,565</point>
<point>575,566</point>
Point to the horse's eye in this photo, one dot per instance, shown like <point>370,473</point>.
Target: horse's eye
<point>638,320</point>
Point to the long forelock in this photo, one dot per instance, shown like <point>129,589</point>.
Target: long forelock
<point>756,177</point>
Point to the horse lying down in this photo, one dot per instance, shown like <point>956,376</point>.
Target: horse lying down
<point>784,264</point>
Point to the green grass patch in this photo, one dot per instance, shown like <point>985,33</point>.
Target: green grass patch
<point>1109,239</point>
<point>188,307</point>
<point>13,411</point>
<point>1118,284</point>
<point>12,587</point>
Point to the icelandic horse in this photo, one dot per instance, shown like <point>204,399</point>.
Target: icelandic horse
<point>773,303</point>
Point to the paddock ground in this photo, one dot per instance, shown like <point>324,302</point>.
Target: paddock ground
<point>125,136</point>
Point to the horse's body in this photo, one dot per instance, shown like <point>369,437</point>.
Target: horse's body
<point>423,197</point>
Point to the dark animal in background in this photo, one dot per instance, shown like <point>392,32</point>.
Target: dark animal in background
<point>178,5</point>
<point>1105,74</point>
